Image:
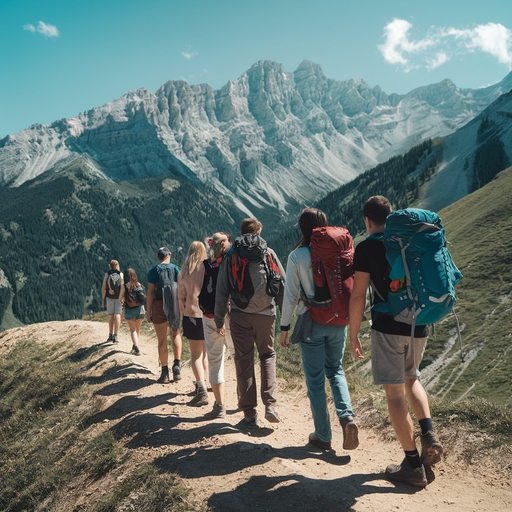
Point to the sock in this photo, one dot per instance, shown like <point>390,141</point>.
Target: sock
<point>176,363</point>
<point>413,458</point>
<point>426,425</point>
<point>200,386</point>
<point>165,369</point>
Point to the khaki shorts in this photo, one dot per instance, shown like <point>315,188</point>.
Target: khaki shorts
<point>394,359</point>
<point>114,306</point>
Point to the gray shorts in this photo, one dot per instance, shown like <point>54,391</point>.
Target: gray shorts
<point>394,359</point>
<point>114,306</point>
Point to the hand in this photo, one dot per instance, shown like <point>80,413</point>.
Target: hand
<point>221,330</point>
<point>355,348</point>
<point>148,317</point>
<point>282,340</point>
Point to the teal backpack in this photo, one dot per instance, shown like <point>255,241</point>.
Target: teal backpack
<point>422,272</point>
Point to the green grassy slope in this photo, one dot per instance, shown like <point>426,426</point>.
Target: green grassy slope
<point>479,228</point>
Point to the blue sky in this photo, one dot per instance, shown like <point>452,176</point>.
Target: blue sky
<point>60,58</point>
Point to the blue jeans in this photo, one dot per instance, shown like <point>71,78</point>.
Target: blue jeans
<point>322,357</point>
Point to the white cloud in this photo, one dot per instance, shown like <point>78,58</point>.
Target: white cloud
<point>492,38</point>
<point>189,54</point>
<point>436,61</point>
<point>43,28</point>
<point>440,44</point>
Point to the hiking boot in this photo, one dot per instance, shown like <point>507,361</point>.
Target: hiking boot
<point>350,433</point>
<point>431,449</point>
<point>271,414</point>
<point>114,339</point>
<point>110,338</point>
<point>200,399</point>
<point>218,411</point>
<point>176,372</point>
<point>164,377</point>
<point>318,443</point>
<point>135,351</point>
<point>249,423</point>
<point>404,473</point>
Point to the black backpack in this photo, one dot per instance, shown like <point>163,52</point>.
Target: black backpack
<point>113,285</point>
<point>166,292</point>
<point>209,288</point>
<point>252,250</point>
<point>139,295</point>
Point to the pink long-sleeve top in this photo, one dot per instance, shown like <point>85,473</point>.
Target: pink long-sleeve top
<point>189,287</point>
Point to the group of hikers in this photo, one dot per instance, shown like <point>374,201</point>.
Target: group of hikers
<point>225,295</point>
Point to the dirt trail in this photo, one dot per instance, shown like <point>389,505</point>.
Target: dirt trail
<point>270,469</point>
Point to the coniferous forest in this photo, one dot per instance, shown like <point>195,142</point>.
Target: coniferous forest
<point>59,235</point>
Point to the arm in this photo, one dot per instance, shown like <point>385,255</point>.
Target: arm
<point>356,311</point>
<point>104,292</point>
<point>182,295</point>
<point>150,298</point>
<point>291,297</point>
<point>121,293</point>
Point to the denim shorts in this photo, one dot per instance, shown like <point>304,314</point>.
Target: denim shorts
<point>135,313</point>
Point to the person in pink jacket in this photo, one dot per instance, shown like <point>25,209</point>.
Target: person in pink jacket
<point>190,281</point>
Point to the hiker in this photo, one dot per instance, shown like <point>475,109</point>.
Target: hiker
<point>163,311</point>
<point>134,311</point>
<point>395,359</point>
<point>321,345</point>
<point>189,286</point>
<point>110,290</point>
<point>218,247</point>
<point>251,319</point>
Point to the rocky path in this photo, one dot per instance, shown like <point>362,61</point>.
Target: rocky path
<point>269,469</point>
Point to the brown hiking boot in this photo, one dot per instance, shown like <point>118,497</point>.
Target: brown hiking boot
<point>200,399</point>
<point>404,473</point>
<point>271,414</point>
<point>218,411</point>
<point>431,449</point>
<point>318,443</point>
<point>350,433</point>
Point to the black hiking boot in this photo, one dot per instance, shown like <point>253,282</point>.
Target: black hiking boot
<point>176,372</point>
<point>404,473</point>
<point>164,377</point>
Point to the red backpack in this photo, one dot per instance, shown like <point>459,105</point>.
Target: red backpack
<point>332,256</point>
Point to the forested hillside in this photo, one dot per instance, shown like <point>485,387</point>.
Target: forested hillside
<point>60,231</point>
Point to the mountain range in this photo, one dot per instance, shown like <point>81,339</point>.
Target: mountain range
<point>271,138</point>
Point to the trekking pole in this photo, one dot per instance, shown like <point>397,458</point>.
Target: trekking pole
<point>460,336</point>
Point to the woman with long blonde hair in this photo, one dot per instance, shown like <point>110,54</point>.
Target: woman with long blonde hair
<point>190,281</point>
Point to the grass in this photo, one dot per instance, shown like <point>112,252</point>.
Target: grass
<point>48,441</point>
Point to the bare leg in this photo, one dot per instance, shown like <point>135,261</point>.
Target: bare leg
<point>117,323</point>
<point>134,326</point>
<point>196,353</point>
<point>399,415</point>
<point>176,343</point>
<point>205,361</point>
<point>417,398</point>
<point>218,393</point>
<point>163,351</point>
<point>111,324</point>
